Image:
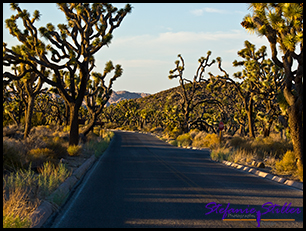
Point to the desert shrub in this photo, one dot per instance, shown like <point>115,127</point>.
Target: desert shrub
<point>40,153</point>
<point>194,132</point>
<point>56,145</point>
<point>271,146</point>
<point>184,140</point>
<point>209,140</point>
<point>34,142</point>
<point>197,140</point>
<point>74,150</point>
<point>13,154</point>
<point>38,156</point>
<point>40,131</point>
<point>10,130</point>
<point>287,163</point>
<point>106,135</point>
<point>173,142</point>
<point>237,141</point>
<point>175,132</point>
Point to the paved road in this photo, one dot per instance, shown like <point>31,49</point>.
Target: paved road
<point>144,182</point>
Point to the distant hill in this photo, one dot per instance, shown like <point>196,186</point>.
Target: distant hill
<point>117,96</point>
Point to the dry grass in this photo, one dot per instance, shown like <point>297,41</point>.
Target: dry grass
<point>220,154</point>
<point>23,188</point>
<point>17,208</point>
<point>275,153</point>
<point>50,177</point>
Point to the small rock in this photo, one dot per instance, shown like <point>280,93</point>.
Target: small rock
<point>260,165</point>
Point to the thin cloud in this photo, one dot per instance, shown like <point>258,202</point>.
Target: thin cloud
<point>199,12</point>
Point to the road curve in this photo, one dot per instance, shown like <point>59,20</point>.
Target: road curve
<point>143,182</point>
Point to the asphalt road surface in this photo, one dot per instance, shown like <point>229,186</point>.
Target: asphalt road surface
<point>144,182</point>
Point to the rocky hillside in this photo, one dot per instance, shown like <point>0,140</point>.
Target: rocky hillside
<point>117,96</point>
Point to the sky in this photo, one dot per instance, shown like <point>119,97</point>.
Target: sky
<point>149,39</point>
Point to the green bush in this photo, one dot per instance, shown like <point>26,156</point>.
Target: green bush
<point>287,163</point>
<point>74,150</point>
<point>175,132</point>
<point>210,141</point>
<point>184,140</point>
<point>173,142</point>
<point>197,140</point>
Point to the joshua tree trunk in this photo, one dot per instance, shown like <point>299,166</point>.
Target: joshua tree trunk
<point>296,132</point>
<point>267,128</point>
<point>250,118</point>
<point>185,125</point>
<point>90,125</point>
<point>74,125</point>
<point>28,117</point>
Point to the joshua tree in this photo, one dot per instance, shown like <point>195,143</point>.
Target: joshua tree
<point>28,85</point>
<point>89,28</point>
<point>261,81</point>
<point>282,25</point>
<point>190,89</point>
<point>98,93</point>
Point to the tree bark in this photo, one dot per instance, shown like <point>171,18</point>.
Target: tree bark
<point>267,128</point>
<point>250,118</point>
<point>28,117</point>
<point>296,132</point>
<point>90,125</point>
<point>186,118</point>
<point>74,125</point>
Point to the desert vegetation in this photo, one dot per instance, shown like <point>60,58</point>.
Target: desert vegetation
<point>261,105</point>
<point>34,167</point>
<point>41,125</point>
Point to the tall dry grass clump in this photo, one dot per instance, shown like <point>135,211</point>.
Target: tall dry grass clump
<point>17,208</point>
<point>23,190</point>
<point>50,177</point>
